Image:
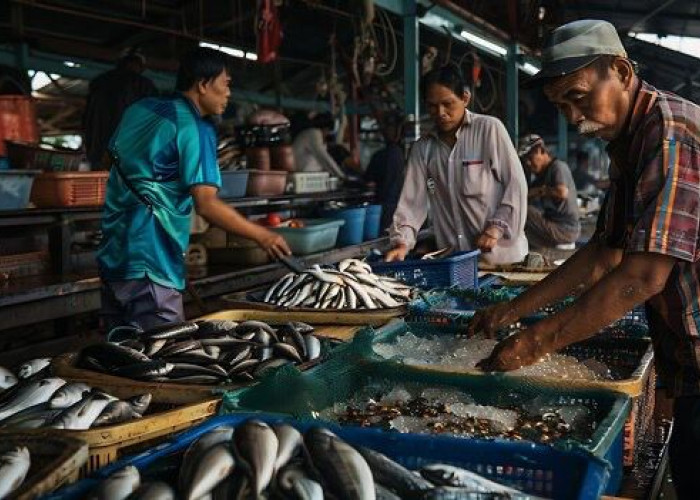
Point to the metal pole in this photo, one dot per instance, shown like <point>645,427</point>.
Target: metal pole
<point>562,137</point>
<point>512,91</point>
<point>410,68</point>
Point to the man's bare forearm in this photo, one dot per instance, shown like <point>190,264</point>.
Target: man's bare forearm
<point>639,278</point>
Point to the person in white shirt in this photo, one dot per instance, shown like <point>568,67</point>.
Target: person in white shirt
<point>310,153</point>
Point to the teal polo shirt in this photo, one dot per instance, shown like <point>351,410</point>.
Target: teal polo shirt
<point>165,147</point>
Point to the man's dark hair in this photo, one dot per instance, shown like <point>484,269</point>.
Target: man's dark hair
<point>201,64</point>
<point>323,120</point>
<point>448,76</point>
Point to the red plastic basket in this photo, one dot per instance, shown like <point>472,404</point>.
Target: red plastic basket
<point>69,189</point>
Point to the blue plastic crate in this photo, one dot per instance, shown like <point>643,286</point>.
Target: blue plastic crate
<point>459,269</point>
<point>233,183</point>
<point>534,469</point>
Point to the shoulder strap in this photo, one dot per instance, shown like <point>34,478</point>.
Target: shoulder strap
<point>116,164</point>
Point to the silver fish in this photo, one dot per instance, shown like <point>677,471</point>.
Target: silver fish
<point>256,447</point>
<point>252,325</point>
<point>69,394</point>
<point>262,368</point>
<point>33,417</point>
<point>7,378</point>
<point>313,347</point>
<point>118,486</point>
<point>289,441</point>
<point>155,346</point>
<point>393,475</point>
<point>385,493</point>
<point>140,403</point>
<point>288,351</point>
<point>32,367</point>
<point>82,414</point>
<point>34,393</point>
<point>196,449</point>
<point>213,467</point>
<point>344,471</point>
<point>157,490</point>
<point>293,480</point>
<point>14,466</point>
<point>448,475</point>
<point>116,412</point>
<point>362,295</point>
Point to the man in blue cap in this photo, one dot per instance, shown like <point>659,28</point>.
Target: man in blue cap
<point>647,245</point>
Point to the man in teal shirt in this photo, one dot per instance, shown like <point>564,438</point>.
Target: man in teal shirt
<point>164,163</point>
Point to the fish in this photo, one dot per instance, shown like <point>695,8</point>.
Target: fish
<point>290,442</point>
<point>196,450</point>
<point>448,475</point>
<point>211,327</point>
<point>384,493</point>
<point>118,486</point>
<point>171,331</point>
<point>190,369</point>
<point>393,475</point>
<point>234,487</point>
<point>243,366</point>
<point>31,394</point>
<point>252,325</point>
<point>293,480</point>
<point>32,367</point>
<point>14,466</point>
<point>287,351</point>
<point>116,412</point>
<point>256,447</point>
<point>111,356</point>
<point>69,394</point>
<point>180,347</point>
<point>313,347</point>
<point>7,378</point>
<point>156,490</point>
<point>234,357</point>
<point>140,403</point>
<point>153,347</point>
<point>213,467</point>
<point>451,493</point>
<point>344,472</point>
<point>81,415</point>
<point>196,380</point>
<point>145,370</point>
<point>32,418</point>
<point>134,344</point>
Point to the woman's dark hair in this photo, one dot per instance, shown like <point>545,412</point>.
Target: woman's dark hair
<point>448,76</point>
<point>200,64</point>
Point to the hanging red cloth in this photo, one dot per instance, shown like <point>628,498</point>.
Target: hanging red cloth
<point>269,31</point>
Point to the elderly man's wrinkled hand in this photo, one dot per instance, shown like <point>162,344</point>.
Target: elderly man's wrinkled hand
<point>489,320</point>
<point>521,349</point>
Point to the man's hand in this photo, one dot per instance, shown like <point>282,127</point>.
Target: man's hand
<point>274,244</point>
<point>398,253</point>
<point>489,320</point>
<point>521,349</point>
<point>488,240</point>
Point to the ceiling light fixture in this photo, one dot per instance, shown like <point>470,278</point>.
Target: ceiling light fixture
<point>484,43</point>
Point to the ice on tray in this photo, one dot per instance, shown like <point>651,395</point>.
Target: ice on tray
<point>463,354</point>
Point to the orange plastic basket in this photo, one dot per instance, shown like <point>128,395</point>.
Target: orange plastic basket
<point>69,189</point>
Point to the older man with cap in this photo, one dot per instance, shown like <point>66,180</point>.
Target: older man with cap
<point>552,211</point>
<point>647,245</point>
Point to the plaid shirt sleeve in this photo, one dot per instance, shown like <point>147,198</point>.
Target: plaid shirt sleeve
<point>667,196</point>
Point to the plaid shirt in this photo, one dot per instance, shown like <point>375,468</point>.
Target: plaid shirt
<point>653,205</point>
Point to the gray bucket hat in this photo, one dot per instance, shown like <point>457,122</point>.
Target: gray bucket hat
<point>575,45</point>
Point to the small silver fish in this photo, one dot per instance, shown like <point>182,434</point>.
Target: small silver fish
<point>14,466</point>
<point>118,486</point>
<point>82,414</point>
<point>116,412</point>
<point>69,394</point>
<point>256,446</point>
<point>289,441</point>
<point>157,490</point>
<point>32,367</point>
<point>7,379</point>
<point>196,450</point>
<point>31,394</point>
<point>448,475</point>
<point>214,466</point>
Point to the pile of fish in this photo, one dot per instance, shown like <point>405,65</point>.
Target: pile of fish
<point>351,286</point>
<point>204,352</point>
<point>260,461</point>
<point>457,414</point>
<point>55,403</point>
<point>27,370</point>
<point>14,466</point>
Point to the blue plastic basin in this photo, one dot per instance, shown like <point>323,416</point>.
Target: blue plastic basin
<point>353,231</point>
<point>373,220</point>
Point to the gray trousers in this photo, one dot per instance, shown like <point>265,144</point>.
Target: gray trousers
<point>140,303</point>
<point>544,233</point>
